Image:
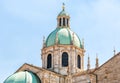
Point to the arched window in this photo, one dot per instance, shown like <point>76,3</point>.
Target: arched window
<point>49,61</point>
<point>63,21</point>
<point>64,59</point>
<point>79,61</point>
<point>60,22</point>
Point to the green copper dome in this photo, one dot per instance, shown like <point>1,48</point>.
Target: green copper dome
<point>23,77</point>
<point>63,36</point>
<point>63,13</point>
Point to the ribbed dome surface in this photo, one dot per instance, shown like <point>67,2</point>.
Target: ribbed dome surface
<point>63,13</point>
<point>23,77</point>
<point>64,36</point>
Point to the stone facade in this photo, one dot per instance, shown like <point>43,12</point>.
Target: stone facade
<point>53,69</point>
<point>44,75</point>
<point>109,72</point>
<point>56,52</point>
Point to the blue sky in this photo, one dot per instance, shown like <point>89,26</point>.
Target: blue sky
<point>23,23</point>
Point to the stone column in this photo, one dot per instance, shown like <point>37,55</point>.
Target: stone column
<point>58,22</point>
<point>62,21</point>
<point>82,62</point>
<point>59,61</point>
<point>45,60</point>
<point>76,60</point>
<point>66,22</point>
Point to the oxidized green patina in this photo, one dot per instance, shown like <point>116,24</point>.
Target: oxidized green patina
<point>64,36</point>
<point>23,77</point>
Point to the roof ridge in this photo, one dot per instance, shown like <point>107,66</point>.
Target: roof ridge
<point>108,60</point>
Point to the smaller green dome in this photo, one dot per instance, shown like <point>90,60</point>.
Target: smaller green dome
<point>23,77</point>
<point>63,13</point>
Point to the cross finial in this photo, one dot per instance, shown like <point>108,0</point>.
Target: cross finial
<point>63,6</point>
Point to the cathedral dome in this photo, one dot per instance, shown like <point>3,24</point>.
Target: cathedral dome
<point>63,36</point>
<point>23,77</point>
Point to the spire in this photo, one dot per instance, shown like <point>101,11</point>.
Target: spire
<point>44,45</point>
<point>97,61</point>
<point>114,51</point>
<point>83,43</point>
<point>88,65</point>
<point>63,7</point>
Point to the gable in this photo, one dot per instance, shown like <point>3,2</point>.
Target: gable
<point>110,70</point>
